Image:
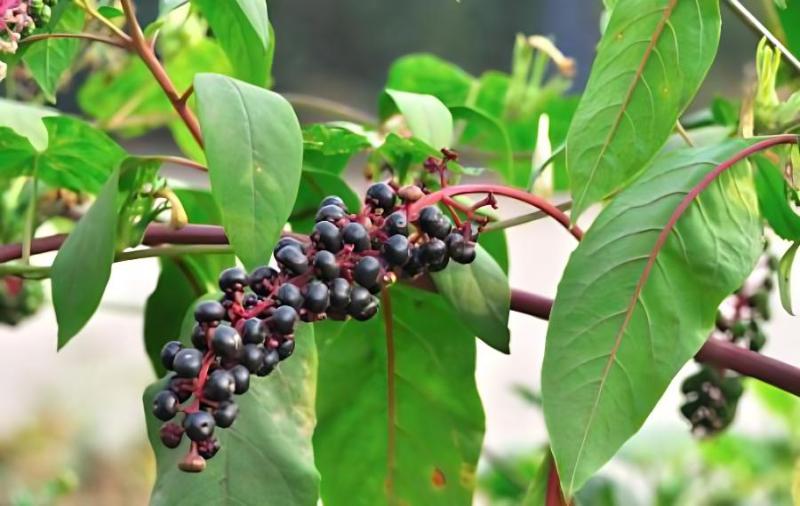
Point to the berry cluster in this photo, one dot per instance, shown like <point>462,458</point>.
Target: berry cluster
<point>334,273</point>
<point>712,394</point>
<point>20,18</point>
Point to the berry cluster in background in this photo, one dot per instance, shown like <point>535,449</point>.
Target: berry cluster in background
<point>336,272</point>
<point>712,394</point>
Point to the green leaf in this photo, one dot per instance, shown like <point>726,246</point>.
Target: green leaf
<point>254,148</point>
<point>83,264</point>
<point>790,20</point>
<point>480,294</point>
<point>314,186</point>
<point>109,12</point>
<point>651,60</point>
<point>484,124</point>
<point>429,74</point>
<point>242,29</point>
<point>328,148</point>
<point>438,421</point>
<point>427,117</point>
<point>773,200</point>
<point>622,327</point>
<point>266,456</point>
<point>48,59</point>
<point>165,6</point>
<point>18,155</point>
<point>785,277</point>
<point>26,120</point>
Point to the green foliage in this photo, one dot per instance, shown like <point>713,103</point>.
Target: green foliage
<point>480,294</point>
<point>266,456</point>
<point>650,63</point>
<point>254,161</point>
<point>315,185</point>
<point>438,421</point>
<point>427,117</point>
<point>785,277</point>
<point>619,332</point>
<point>775,199</point>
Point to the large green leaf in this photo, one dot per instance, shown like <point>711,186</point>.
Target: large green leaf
<point>437,428</point>
<point>790,20</point>
<point>242,29</point>
<point>429,74</point>
<point>254,148</point>
<point>266,456</point>
<point>624,322</point>
<point>480,294</point>
<point>785,277</point>
<point>651,60</point>
<point>773,200</point>
<point>26,120</point>
<point>83,264</point>
<point>48,59</point>
<point>427,117</point>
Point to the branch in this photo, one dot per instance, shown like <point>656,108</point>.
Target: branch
<point>84,36</point>
<point>142,48</point>
<point>757,26</point>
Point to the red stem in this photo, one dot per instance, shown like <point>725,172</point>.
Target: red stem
<point>523,196</point>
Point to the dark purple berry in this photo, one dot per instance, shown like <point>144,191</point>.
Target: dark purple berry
<point>208,448</point>
<point>241,379</point>
<point>199,338</point>
<point>220,385</point>
<point>325,265</point>
<point>396,250</point>
<point>330,212</point>
<point>289,241</point>
<point>333,200</point>
<point>355,234</point>
<point>434,253</point>
<point>414,266</point>
<point>292,259</point>
<point>316,299</point>
<point>367,272</point>
<point>463,253</point>
<point>339,293</point>
<point>327,236</point>
<point>232,280</point>
<point>368,311</point>
<point>168,353</point>
<point>396,223</point>
<point>188,362</point>
<point>226,414</point>
<point>209,311</point>
<point>285,349</point>
<point>259,279</point>
<point>382,197</point>
<point>253,331</point>
<point>171,435</point>
<point>165,405</point>
<point>199,425</point>
<point>283,319</point>
<point>359,299</point>
<point>271,359</point>
<point>226,342</point>
<point>289,295</point>
<point>252,356</point>
<point>434,223</point>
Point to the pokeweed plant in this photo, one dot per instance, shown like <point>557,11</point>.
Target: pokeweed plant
<point>378,300</point>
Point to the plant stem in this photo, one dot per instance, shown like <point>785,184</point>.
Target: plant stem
<point>391,403</point>
<point>525,218</point>
<point>142,48</point>
<point>330,106</point>
<point>757,26</point>
<point>103,20</point>
<point>179,160</point>
<point>30,217</point>
<point>684,134</point>
<point>85,36</point>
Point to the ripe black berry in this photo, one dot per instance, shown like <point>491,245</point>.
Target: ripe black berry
<point>209,311</point>
<point>330,212</point>
<point>327,236</point>
<point>241,379</point>
<point>199,337</point>
<point>316,300</point>
<point>226,342</point>
<point>289,241</point>
<point>325,265</point>
<point>168,353</point>
<point>381,196</point>
<point>434,254</point>
<point>232,280</point>
<point>165,405</point>
<point>367,272</point>
<point>355,234</point>
<point>283,319</point>
<point>460,250</point>
<point>359,299</point>
<point>271,359</point>
<point>226,414</point>
<point>220,385</point>
<point>292,259</point>
<point>188,362</point>
<point>252,357</point>
<point>434,223</point>
<point>415,265</point>
<point>396,250</point>
<point>396,223</point>
<point>253,331</point>
<point>199,425</point>
<point>333,200</point>
<point>285,349</point>
<point>370,310</point>
<point>289,295</point>
<point>339,293</point>
<point>259,279</point>
<point>171,435</point>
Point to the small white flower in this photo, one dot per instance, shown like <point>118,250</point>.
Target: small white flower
<point>3,68</point>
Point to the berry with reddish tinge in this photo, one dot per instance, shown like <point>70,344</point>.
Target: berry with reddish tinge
<point>171,435</point>
<point>260,278</point>
<point>199,425</point>
<point>208,448</point>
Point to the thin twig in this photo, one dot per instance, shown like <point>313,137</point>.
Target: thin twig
<point>103,20</point>
<point>179,160</point>
<point>525,218</point>
<point>684,134</point>
<point>757,26</point>
<point>85,36</point>
<point>330,107</point>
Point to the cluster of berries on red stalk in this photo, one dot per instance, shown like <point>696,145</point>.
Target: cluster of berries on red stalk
<point>712,394</point>
<point>334,273</point>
